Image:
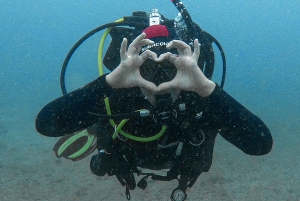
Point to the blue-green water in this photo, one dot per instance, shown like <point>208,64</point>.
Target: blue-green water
<point>261,42</point>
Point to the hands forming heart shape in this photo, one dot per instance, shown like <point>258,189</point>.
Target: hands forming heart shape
<point>189,76</point>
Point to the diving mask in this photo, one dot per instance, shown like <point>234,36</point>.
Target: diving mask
<point>158,73</point>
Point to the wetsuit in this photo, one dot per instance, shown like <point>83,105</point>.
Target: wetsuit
<point>190,133</point>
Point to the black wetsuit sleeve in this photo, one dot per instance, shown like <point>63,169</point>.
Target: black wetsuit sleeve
<point>71,113</point>
<point>237,124</point>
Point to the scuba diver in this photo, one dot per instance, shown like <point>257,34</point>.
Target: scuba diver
<point>157,109</point>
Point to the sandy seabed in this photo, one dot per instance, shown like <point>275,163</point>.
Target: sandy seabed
<point>30,171</point>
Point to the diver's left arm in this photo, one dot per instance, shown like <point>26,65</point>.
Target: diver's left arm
<point>237,124</point>
<point>73,112</point>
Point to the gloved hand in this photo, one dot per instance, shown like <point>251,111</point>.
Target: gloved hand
<point>188,174</point>
<point>104,163</point>
<point>125,173</point>
<point>187,170</point>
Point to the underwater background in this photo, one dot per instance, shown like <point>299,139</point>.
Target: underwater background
<point>261,43</point>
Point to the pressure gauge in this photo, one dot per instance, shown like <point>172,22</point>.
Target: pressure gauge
<point>178,195</point>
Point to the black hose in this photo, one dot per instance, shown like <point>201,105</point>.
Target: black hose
<point>84,38</point>
<point>189,22</point>
<point>223,58</point>
<point>185,14</point>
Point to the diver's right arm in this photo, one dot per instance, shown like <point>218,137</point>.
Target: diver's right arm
<point>71,113</point>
